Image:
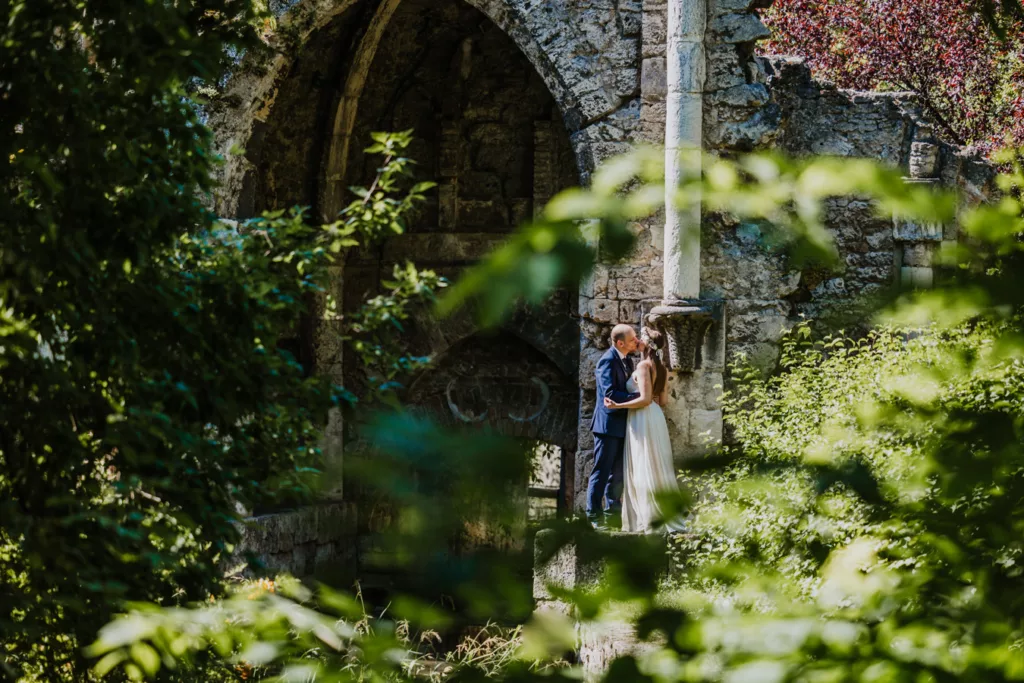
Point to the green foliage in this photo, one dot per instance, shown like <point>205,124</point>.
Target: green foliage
<point>330,636</point>
<point>866,525</point>
<point>785,196</point>
<point>871,522</point>
<point>769,509</point>
<point>146,388</point>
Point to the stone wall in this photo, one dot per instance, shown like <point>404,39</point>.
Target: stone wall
<point>752,103</point>
<point>317,540</point>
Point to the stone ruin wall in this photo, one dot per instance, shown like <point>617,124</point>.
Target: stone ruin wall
<point>752,103</point>
<point>603,63</point>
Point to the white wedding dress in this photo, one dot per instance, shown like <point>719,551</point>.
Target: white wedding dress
<point>647,467</point>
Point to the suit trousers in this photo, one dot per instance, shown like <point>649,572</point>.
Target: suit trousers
<point>606,478</point>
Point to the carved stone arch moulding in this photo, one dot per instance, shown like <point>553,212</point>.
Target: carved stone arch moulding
<point>551,333</point>
<point>501,384</point>
<point>499,401</point>
<point>507,15</point>
<point>249,93</point>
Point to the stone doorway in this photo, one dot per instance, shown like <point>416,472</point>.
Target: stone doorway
<point>490,133</point>
<point>503,384</point>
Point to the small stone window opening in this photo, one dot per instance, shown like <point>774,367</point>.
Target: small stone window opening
<point>545,475</point>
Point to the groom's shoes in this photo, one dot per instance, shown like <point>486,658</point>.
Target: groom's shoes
<point>609,521</point>
<point>613,521</point>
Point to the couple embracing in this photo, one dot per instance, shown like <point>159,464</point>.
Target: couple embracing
<point>632,453</point>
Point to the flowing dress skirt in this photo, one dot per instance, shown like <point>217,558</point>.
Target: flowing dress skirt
<point>648,468</point>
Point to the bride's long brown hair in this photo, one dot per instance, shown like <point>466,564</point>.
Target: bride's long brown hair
<point>655,342</point>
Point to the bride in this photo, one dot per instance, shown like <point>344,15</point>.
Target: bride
<point>648,467</point>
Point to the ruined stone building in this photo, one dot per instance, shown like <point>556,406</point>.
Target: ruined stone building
<point>513,100</point>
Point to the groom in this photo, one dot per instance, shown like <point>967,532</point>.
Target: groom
<point>609,427</point>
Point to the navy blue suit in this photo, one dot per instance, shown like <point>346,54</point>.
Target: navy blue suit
<point>609,427</point>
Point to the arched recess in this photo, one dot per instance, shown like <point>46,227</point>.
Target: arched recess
<point>487,127</point>
<point>336,176</point>
<point>587,55</point>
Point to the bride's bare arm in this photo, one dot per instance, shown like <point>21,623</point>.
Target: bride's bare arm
<point>646,390</point>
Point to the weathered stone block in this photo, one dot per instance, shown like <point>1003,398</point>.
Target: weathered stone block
<point>725,69</point>
<point>684,120</point>
<point>704,389</point>
<point>653,35</point>
<point>588,365</point>
<point>598,283</point>
<point>677,415</point>
<point>630,22</point>
<point>600,309</point>
<point>691,67</point>
<point>919,254</point>
<point>586,437</point>
<point>912,231</point>
<point>653,114</point>
<point>584,466</point>
<point>602,642</point>
<point>739,28</point>
<point>724,6</point>
<point>520,211</point>
<point>480,185</point>
<point>749,95</point>
<point>629,312</point>
<point>757,130</point>
<point>482,214</point>
<point>636,287</point>
<point>653,86</point>
<point>705,428</point>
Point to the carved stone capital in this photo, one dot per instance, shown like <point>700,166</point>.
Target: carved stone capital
<point>685,326</point>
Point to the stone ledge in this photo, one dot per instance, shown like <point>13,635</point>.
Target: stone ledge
<point>300,541</point>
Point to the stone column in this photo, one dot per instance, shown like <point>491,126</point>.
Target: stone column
<point>683,143</point>
<point>684,319</point>
<point>917,243</point>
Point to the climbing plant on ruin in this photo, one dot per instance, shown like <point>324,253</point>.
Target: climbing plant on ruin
<point>968,80</point>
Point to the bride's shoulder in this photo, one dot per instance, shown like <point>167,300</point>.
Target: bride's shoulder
<point>646,364</point>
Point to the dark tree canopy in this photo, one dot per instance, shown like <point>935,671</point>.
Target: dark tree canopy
<point>143,390</point>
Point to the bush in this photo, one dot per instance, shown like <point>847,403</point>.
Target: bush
<point>147,389</point>
<point>772,528</point>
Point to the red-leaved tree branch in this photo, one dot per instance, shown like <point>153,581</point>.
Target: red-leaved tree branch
<point>970,82</point>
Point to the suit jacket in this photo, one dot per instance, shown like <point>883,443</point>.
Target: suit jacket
<point>611,378</point>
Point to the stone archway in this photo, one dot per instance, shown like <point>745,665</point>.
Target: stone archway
<point>488,130</point>
<point>587,56</point>
<point>500,383</point>
<point>486,127</point>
